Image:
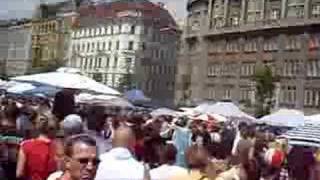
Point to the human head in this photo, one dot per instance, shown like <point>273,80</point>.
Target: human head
<point>197,157</point>
<point>123,137</point>
<point>168,154</point>
<point>72,125</point>
<point>11,111</point>
<point>46,126</point>
<point>81,157</point>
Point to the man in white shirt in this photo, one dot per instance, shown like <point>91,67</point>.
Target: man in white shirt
<point>119,163</point>
<point>167,169</point>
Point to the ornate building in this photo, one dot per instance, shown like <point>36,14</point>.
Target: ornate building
<point>19,48</point>
<point>226,40</point>
<point>128,44</point>
<point>51,28</point>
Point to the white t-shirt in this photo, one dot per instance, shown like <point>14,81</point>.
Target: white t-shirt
<point>164,172</point>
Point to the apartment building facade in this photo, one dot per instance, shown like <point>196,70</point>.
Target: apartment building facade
<point>226,40</point>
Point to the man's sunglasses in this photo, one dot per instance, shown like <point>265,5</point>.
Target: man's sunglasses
<point>85,161</point>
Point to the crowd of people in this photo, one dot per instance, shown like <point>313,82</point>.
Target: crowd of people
<point>61,140</point>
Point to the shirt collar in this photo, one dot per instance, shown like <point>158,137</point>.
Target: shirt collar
<point>120,153</point>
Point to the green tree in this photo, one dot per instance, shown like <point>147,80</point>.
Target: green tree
<point>265,87</point>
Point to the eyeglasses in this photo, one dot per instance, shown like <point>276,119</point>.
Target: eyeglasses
<point>85,161</point>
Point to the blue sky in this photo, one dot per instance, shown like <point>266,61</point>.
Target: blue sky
<point>23,8</point>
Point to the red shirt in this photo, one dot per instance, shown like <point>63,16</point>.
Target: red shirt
<point>40,160</point>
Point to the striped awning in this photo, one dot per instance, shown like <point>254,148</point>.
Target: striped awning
<point>307,135</point>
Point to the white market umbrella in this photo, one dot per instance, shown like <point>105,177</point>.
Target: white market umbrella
<point>69,70</point>
<point>86,97</point>
<point>68,80</point>
<point>19,88</point>
<point>228,109</point>
<point>313,119</point>
<point>203,108</point>
<point>187,111</point>
<point>284,118</point>
<point>164,112</point>
<point>2,82</point>
<point>307,135</point>
<point>104,100</point>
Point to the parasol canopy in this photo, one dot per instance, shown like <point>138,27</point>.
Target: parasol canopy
<point>284,118</point>
<point>164,112</point>
<point>67,80</point>
<point>307,135</point>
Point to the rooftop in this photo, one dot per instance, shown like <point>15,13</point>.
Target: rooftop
<point>112,10</point>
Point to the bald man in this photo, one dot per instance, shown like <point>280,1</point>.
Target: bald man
<point>119,163</point>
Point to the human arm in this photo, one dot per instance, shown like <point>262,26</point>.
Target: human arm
<point>21,164</point>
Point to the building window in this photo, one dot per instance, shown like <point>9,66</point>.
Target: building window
<point>227,94</point>
<point>274,14</point>
<point>161,54</point>
<point>211,93</point>
<point>232,46</point>
<point>118,45</point>
<point>93,47</point>
<point>296,8</point>
<point>308,98</point>
<point>313,68</point>
<point>214,70</point>
<point>91,63</point>
<point>103,45</point>
<point>103,30</point>
<point>234,21</point>
<point>85,63</point>
<point>254,10</point>
<point>316,10</point>
<point>251,45</point>
<point>133,29</point>
<point>98,31</point>
<point>99,62</point>
<point>120,28</point>
<point>246,95</point>
<point>293,42</point>
<point>115,63</point>
<point>108,62</point>
<point>247,69</point>
<point>130,46</point>
<point>110,46</point>
<point>128,63</point>
<point>98,46</point>
<point>291,68</point>
<point>95,63</point>
<point>270,44</point>
<point>88,47</point>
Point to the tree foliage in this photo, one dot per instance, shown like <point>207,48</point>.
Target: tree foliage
<point>265,86</point>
